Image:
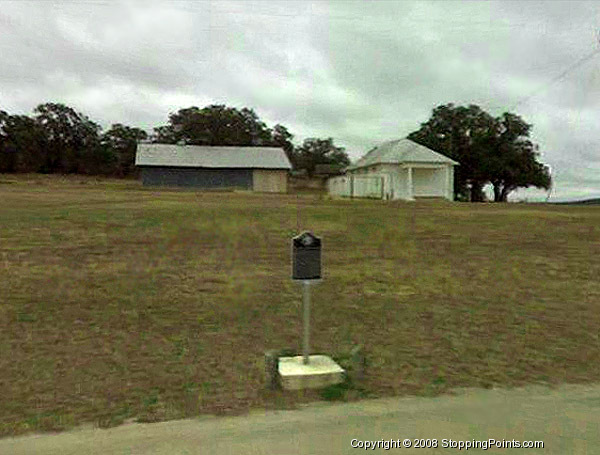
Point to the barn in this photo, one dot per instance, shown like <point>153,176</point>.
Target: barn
<point>399,169</point>
<point>263,169</point>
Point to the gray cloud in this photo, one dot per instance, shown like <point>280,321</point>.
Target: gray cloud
<point>360,72</point>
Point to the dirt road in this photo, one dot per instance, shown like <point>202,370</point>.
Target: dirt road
<point>566,419</point>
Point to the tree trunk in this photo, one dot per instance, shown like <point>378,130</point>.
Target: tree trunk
<point>477,192</point>
<point>505,192</point>
<point>497,191</point>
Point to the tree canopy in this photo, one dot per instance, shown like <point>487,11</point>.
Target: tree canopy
<point>495,150</point>
<point>215,125</point>
<point>283,138</point>
<point>315,151</point>
<point>122,140</point>
<point>22,144</point>
<point>70,140</point>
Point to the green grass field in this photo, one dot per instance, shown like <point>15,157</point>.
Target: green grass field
<point>120,302</point>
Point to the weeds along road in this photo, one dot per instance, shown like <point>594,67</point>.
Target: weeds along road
<point>566,419</point>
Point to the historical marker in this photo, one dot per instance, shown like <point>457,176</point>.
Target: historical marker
<point>306,266</point>
<point>306,371</point>
<point>306,257</point>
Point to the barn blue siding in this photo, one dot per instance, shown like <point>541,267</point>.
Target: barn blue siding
<point>197,177</point>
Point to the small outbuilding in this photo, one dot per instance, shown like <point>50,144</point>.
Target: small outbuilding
<point>400,169</point>
<point>264,169</point>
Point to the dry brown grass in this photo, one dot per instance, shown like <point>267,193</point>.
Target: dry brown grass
<point>121,302</point>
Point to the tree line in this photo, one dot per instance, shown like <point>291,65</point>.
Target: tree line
<point>59,139</point>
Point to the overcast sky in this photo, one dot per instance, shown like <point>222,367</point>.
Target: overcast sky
<point>360,72</point>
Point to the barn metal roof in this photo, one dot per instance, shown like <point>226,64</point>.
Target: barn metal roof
<point>212,157</point>
<point>401,151</point>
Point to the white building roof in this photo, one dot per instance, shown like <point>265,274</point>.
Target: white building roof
<point>400,151</point>
<point>212,157</point>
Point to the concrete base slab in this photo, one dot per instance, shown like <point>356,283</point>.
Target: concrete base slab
<point>321,371</point>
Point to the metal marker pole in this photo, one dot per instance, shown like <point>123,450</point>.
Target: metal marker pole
<point>306,305</point>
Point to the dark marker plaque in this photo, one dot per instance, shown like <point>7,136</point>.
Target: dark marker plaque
<point>306,257</point>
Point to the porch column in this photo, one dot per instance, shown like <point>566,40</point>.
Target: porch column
<point>409,184</point>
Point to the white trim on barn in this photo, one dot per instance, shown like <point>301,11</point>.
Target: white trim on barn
<point>403,170</point>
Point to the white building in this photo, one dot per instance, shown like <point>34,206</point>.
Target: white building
<point>400,169</point>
